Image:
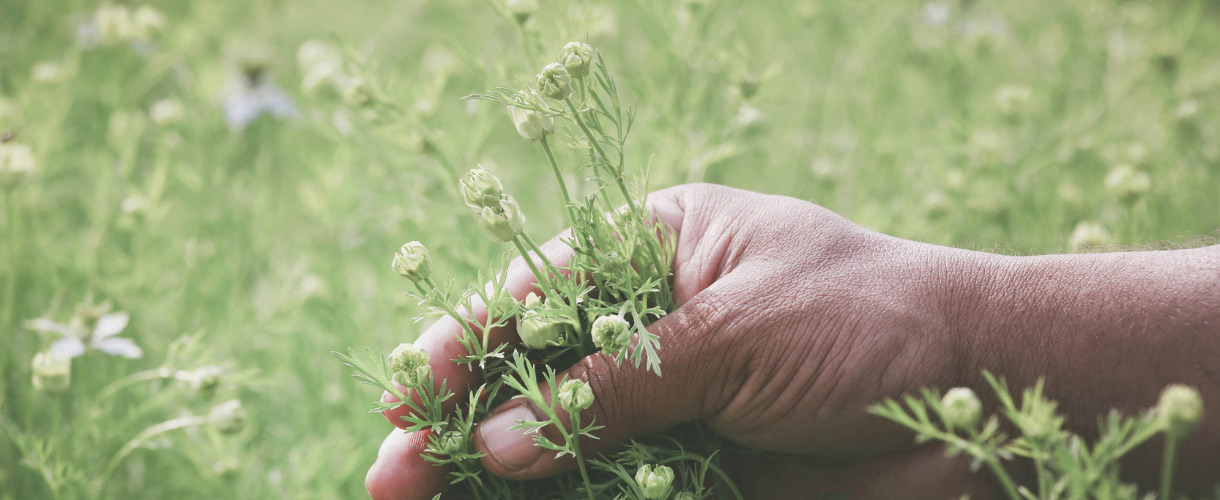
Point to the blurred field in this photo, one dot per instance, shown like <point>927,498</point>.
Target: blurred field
<point>259,249</point>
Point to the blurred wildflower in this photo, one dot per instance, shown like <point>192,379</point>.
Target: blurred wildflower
<point>1126,183</point>
<point>521,10</point>
<point>251,94</point>
<point>749,117</point>
<point>228,417</point>
<point>166,112</point>
<point>203,380</point>
<point>321,63</point>
<point>936,13</point>
<point>47,72</point>
<point>356,92</point>
<point>1087,235</point>
<point>16,163</point>
<point>1186,110</point>
<point>112,23</point>
<point>987,148</point>
<point>147,23</point>
<point>1012,100</point>
<point>93,323</point>
<point>52,372</point>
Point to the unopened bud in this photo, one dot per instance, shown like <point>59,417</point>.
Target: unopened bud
<point>654,481</point>
<point>203,381</point>
<point>575,395</point>
<point>685,495</point>
<point>502,222</point>
<point>412,262</point>
<point>52,372</point>
<point>532,125</point>
<point>481,188</point>
<point>1179,410</point>
<point>147,23</point>
<point>538,330</point>
<point>228,417</point>
<point>452,442</point>
<point>554,82</point>
<point>961,408</point>
<point>611,333</point>
<point>407,357</point>
<point>576,58</point>
<point>521,10</point>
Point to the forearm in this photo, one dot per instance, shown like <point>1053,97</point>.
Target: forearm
<point>1106,331</point>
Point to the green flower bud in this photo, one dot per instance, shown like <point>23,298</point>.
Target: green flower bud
<point>412,262</point>
<point>452,442</point>
<point>413,377</point>
<point>52,372</point>
<point>611,333</point>
<point>532,125</point>
<point>554,82</point>
<point>961,408</point>
<point>521,10</point>
<point>575,395</point>
<point>654,481</point>
<point>576,58</point>
<point>407,357</point>
<point>480,188</point>
<point>147,23</point>
<point>538,330</point>
<point>228,417</point>
<point>504,224</point>
<point>1179,410</point>
<point>203,381</point>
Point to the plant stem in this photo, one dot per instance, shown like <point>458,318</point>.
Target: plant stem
<point>1002,475</point>
<point>574,443</point>
<point>597,147</point>
<point>1040,464</point>
<point>450,311</point>
<point>563,187</point>
<point>550,267</point>
<point>149,433</point>
<point>135,378</point>
<point>1171,448</point>
<point>543,280</point>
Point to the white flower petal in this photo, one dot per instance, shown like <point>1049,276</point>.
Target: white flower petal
<point>110,325</point>
<point>68,347</point>
<point>46,325</point>
<point>119,346</point>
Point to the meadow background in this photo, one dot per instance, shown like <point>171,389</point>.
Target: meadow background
<point>257,246</point>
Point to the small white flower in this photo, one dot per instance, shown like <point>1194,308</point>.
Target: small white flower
<point>245,102</point>
<point>103,336</point>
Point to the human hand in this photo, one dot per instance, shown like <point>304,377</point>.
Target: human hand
<point>793,322</point>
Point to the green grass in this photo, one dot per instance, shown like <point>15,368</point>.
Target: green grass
<point>270,246</point>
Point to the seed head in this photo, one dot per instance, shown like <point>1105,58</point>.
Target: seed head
<point>412,262</point>
<point>654,481</point>
<point>481,188</point>
<point>611,333</point>
<point>52,372</point>
<point>228,417</point>
<point>532,125</point>
<point>521,10</point>
<point>575,395</point>
<point>961,408</point>
<point>413,378</point>
<point>503,221</point>
<point>554,82</point>
<point>407,357</point>
<point>576,58</point>
<point>1179,410</point>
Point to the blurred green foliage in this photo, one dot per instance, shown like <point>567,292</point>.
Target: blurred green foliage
<point>974,124</point>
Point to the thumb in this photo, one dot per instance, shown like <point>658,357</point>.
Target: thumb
<point>629,401</point>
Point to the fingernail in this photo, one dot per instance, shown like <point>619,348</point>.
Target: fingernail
<point>511,448</point>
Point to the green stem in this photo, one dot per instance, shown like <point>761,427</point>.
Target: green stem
<point>1040,464</point>
<point>450,311</point>
<point>135,378</point>
<point>563,187</point>
<point>728,481</point>
<point>149,433</point>
<point>15,238</point>
<point>543,281</point>
<point>550,267</point>
<point>597,147</point>
<point>1171,448</point>
<point>1002,474</point>
<point>574,443</point>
